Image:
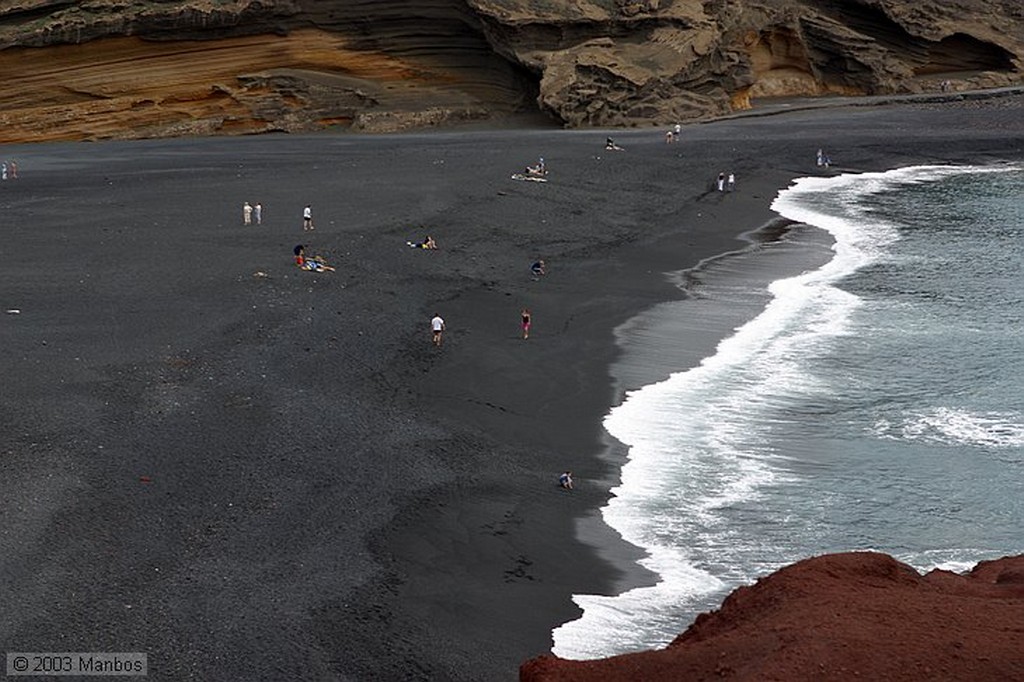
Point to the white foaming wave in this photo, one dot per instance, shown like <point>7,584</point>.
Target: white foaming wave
<point>833,203</point>
<point>680,582</point>
<point>673,490</point>
<point>956,426</point>
<point>693,454</point>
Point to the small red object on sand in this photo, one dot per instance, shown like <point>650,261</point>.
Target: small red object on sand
<point>145,479</point>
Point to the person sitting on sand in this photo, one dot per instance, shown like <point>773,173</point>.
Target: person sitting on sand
<point>313,264</point>
<point>610,145</point>
<point>538,171</point>
<point>565,480</point>
<point>538,268</point>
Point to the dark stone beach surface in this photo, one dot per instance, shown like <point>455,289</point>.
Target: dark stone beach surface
<point>249,471</point>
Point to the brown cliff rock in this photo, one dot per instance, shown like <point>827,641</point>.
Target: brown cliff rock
<point>134,68</point>
<point>839,617</point>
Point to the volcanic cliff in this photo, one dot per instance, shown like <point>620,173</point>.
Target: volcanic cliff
<point>847,616</point>
<point>135,68</point>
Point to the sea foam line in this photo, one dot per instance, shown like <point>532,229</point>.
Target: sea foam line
<point>723,464</point>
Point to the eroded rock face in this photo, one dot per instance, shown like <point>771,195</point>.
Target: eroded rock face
<point>123,68</point>
<point>839,617</point>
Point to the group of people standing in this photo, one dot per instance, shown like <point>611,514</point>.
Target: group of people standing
<point>252,213</point>
<point>726,183</point>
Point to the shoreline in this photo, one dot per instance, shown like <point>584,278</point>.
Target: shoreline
<point>326,495</point>
<point>650,352</point>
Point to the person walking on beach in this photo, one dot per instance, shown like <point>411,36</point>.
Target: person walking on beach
<point>258,212</point>
<point>437,328</point>
<point>730,182</point>
<point>3,170</point>
<point>307,218</point>
<point>565,480</point>
<point>246,214</point>
<point>14,169</point>
<point>527,319</point>
<point>721,182</point>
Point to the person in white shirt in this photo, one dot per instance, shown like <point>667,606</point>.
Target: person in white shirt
<point>307,218</point>
<point>437,327</point>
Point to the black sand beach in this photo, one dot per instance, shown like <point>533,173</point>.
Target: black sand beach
<point>253,472</point>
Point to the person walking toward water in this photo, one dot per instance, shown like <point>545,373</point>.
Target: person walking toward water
<point>730,182</point>
<point>437,328</point>
<point>307,218</point>
<point>258,212</point>
<point>721,182</point>
<point>527,319</point>
<point>246,214</point>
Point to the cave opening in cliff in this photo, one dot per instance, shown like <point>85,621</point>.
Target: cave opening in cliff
<point>780,64</point>
<point>963,53</point>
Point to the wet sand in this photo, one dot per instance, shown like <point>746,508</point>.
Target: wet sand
<point>253,472</point>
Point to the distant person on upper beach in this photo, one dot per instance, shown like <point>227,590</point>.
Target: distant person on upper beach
<point>720,183</point>
<point>3,170</point>
<point>13,167</point>
<point>677,131</point>
<point>610,145</point>
<point>565,480</point>
<point>437,328</point>
<point>730,182</point>
<point>246,214</point>
<point>307,218</point>
<point>527,320</point>
<point>669,137</point>
<point>538,268</point>
<point>257,211</point>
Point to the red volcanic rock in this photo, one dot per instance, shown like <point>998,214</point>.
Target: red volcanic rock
<point>839,617</point>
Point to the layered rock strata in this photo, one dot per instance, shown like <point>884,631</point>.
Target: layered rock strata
<point>133,68</point>
<point>849,616</point>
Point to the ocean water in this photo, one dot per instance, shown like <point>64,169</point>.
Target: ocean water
<point>874,401</point>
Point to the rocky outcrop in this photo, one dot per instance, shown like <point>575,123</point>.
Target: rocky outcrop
<point>128,68</point>
<point>839,617</point>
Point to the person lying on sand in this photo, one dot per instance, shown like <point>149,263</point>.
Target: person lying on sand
<point>610,145</point>
<point>427,243</point>
<point>313,263</point>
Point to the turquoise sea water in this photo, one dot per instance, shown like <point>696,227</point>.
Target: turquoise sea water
<point>873,403</point>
